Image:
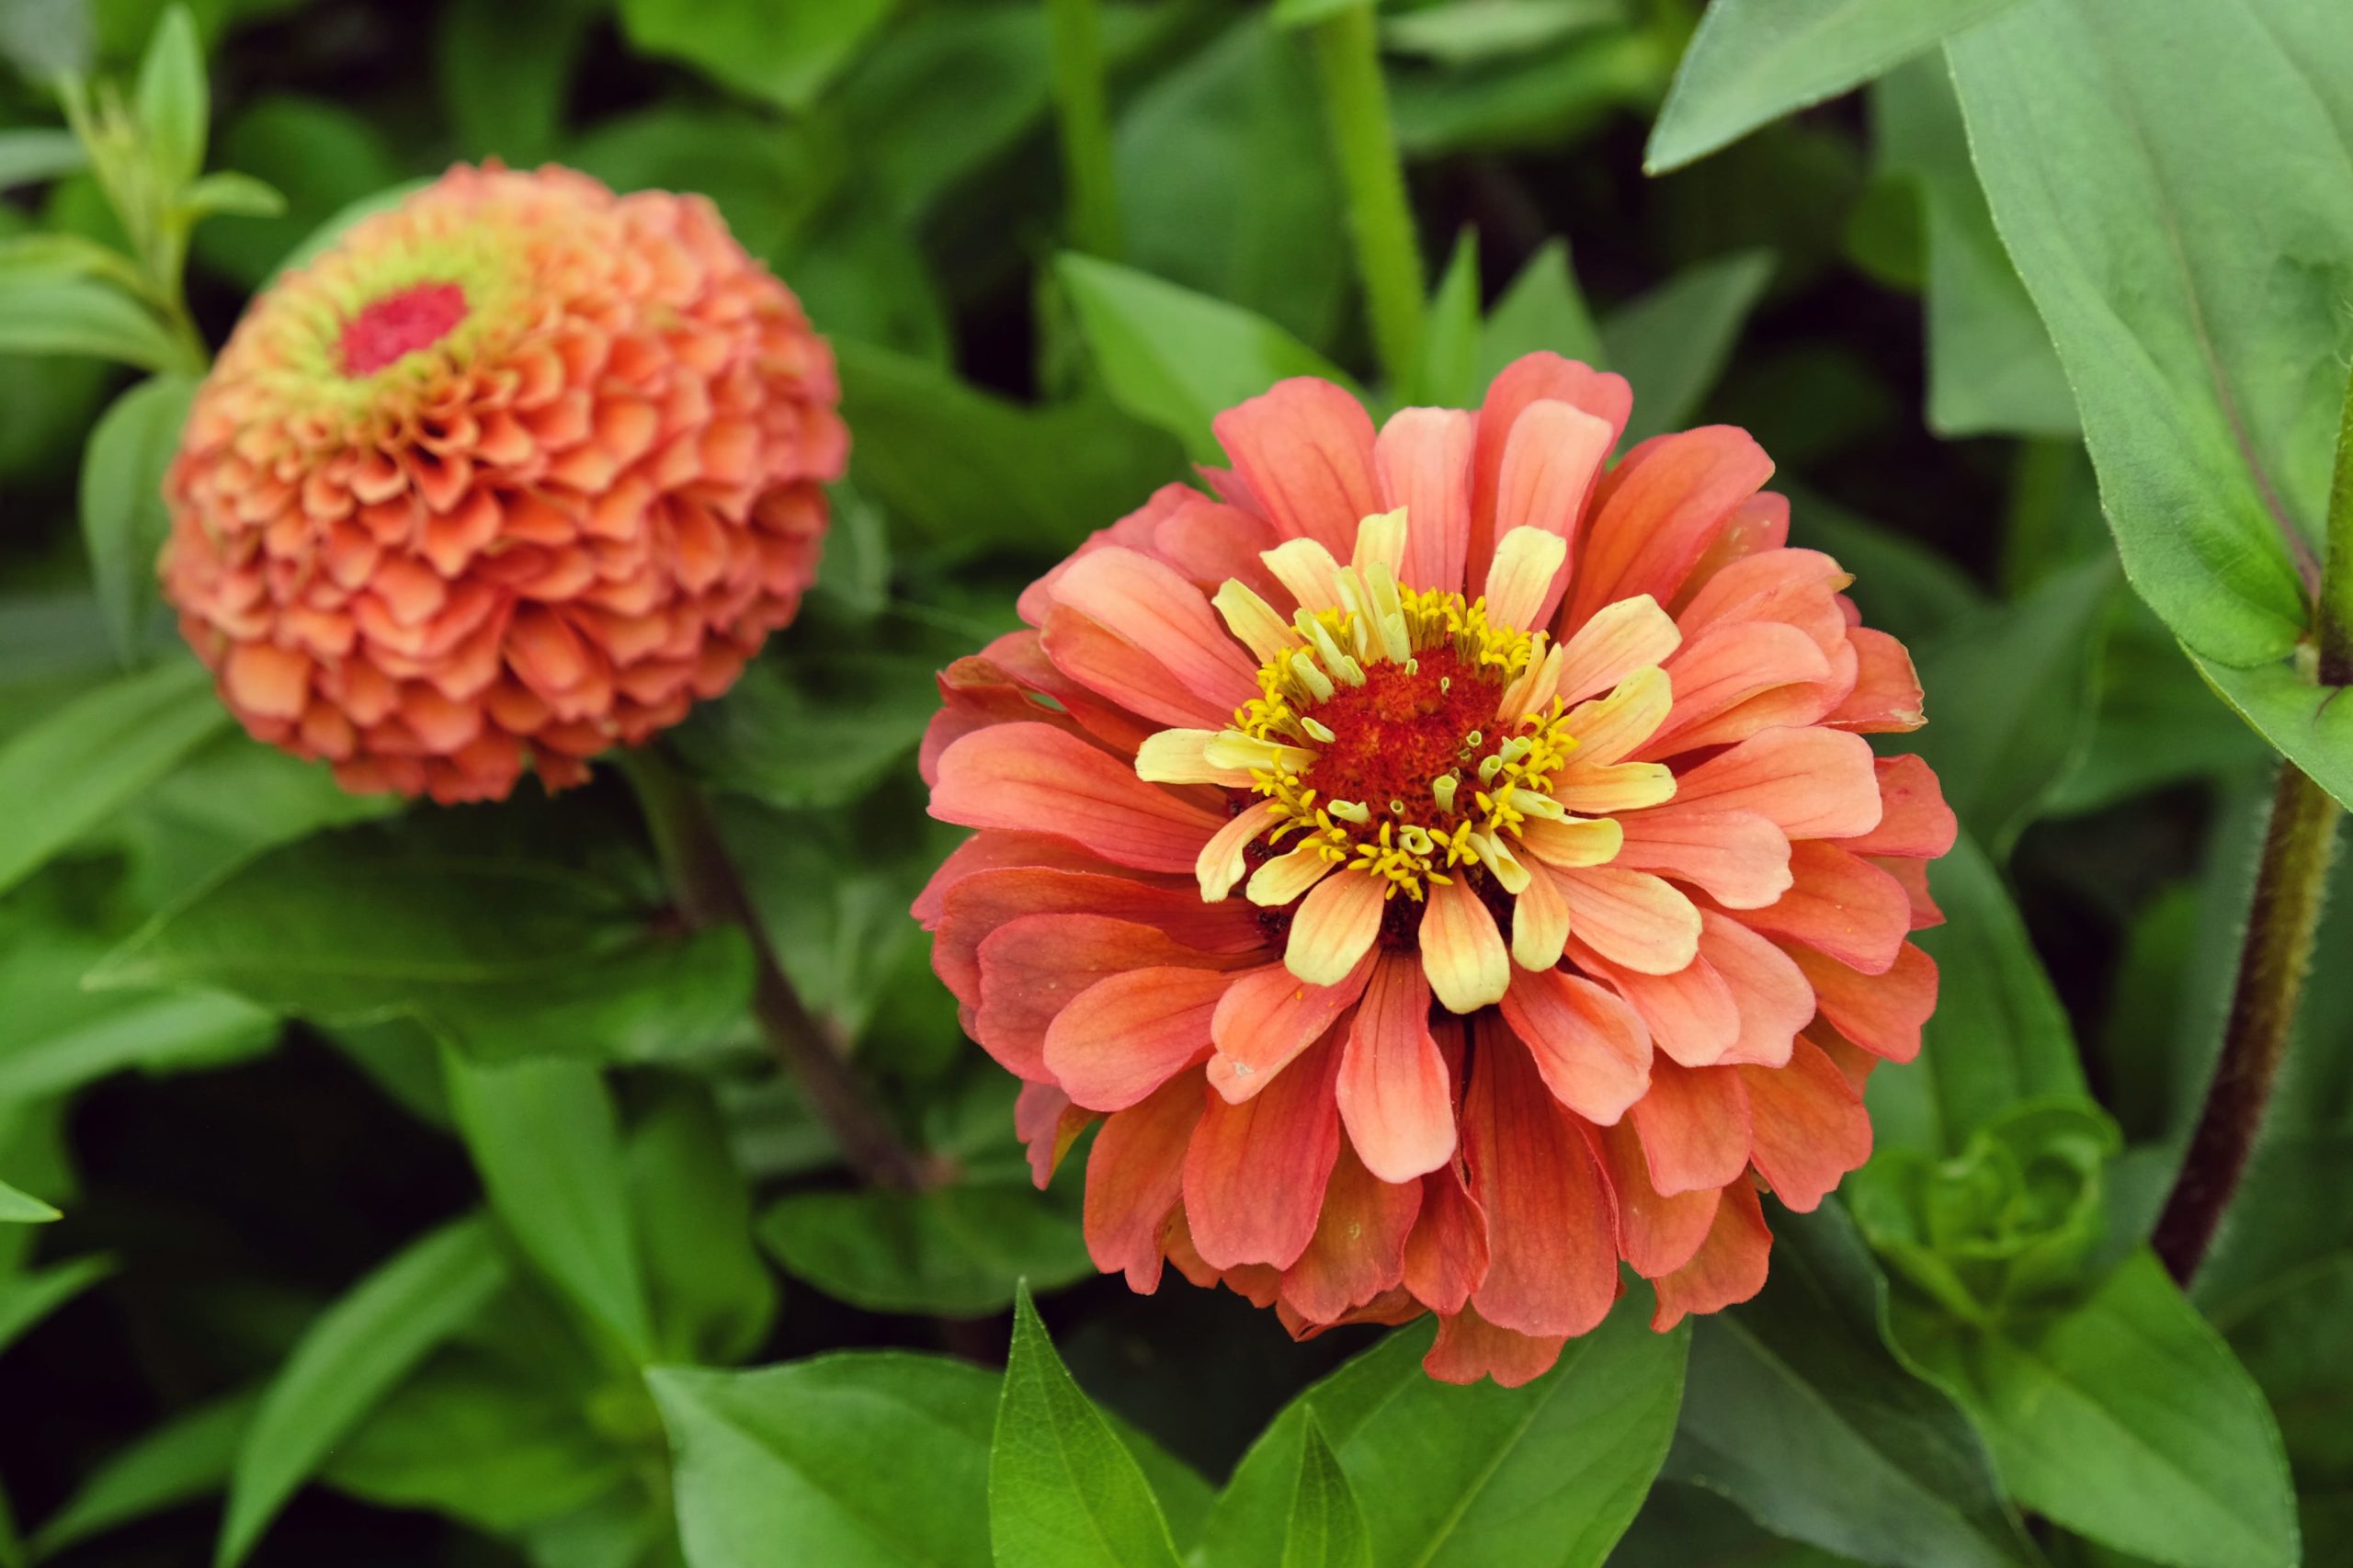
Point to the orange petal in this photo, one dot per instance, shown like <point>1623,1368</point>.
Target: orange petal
<point>1134,1177</point>
<point>1255,1172</point>
<point>1392,1087</point>
<point>1267,1019</point>
<point>1126,1034</point>
<point>1036,778</point>
<point>1729,1267</point>
<point>1591,1048</point>
<point>1552,1262</point>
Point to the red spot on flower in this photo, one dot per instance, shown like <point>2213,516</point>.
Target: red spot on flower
<point>417,317</point>
<point>1398,731</point>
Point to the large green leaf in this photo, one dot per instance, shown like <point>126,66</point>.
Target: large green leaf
<point>866,1459</point>
<point>1798,1413</point>
<point>1991,367</point>
<point>1547,1474</point>
<point>2008,698</point>
<point>1754,61</point>
<point>2191,274</point>
<point>185,1458</point>
<point>505,957</point>
<point>1998,1036</point>
<point>1673,342</point>
<point>968,469</point>
<point>545,1138</point>
<point>956,1250</point>
<point>783,54</point>
<point>1226,183</point>
<point>713,1297</point>
<point>62,774</point>
<point>1063,1491</point>
<point>1326,1527</point>
<point>2127,1419</point>
<point>354,1354</point>
<point>2306,723</point>
<point>82,316</point>
<point>1173,358</point>
<point>123,521</point>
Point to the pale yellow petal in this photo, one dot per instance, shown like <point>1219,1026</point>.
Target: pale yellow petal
<point>1462,952</point>
<point>1539,921</point>
<point>1519,579</point>
<point>1608,728</point>
<point>1286,877</point>
<point>1307,569</point>
<point>1253,621</point>
<point>1336,926</point>
<point>1621,638</point>
<point>1179,756</point>
<point>1222,861</point>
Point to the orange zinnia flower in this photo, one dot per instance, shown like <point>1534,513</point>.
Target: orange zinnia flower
<point>517,471</point>
<point>1449,864</point>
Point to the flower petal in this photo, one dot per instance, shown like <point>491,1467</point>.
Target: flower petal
<point>1694,1126</point>
<point>1034,778</point>
<point>1033,967</point>
<point>1656,1234</point>
<point>1886,698</point>
<point>1469,1347</point>
<point>1729,1267</point>
<point>1552,1254</point>
<point>1590,1046</point>
<point>1813,783</point>
<point>1618,638</point>
<point>977,904</point>
<point>1770,992</point>
<point>1423,460</point>
<point>1135,1177</point>
<point>1126,1034</point>
<point>1267,1019</point>
<point>1882,1012</point>
<point>1519,581</point>
<point>1462,952</point>
<point>1255,1172</point>
<point>1658,511</point>
<point>1609,728</point>
<point>1392,1088</point>
<point>1692,1016</point>
<point>1551,461</point>
<point>1809,1124</point>
<point>1447,1254</point>
<point>1304,448</point>
<point>1527,380</point>
<point>1636,920</point>
<point>1738,859</point>
<point>1359,1250</point>
<point>1222,860</point>
<point>1540,921</point>
<point>1913,819</point>
<point>1840,904</point>
<point>1334,926</point>
<point>1151,607</point>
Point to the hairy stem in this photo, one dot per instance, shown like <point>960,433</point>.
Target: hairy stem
<point>1389,257</point>
<point>710,893</point>
<point>1083,116</point>
<point>2291,883</point>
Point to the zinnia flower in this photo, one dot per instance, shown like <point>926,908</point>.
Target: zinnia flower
<point>517,471</point>
<point>1448,864</point>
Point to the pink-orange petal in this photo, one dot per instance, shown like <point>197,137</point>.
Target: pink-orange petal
<point>1729,1267</point>
<point>1393,1092</point>
<point>1267,1019</point>
<point>1694,1126</point>
<point>1590,1046</point>
<point>1255,1172</point>
<point>1126,1034</point>
<point>1552,1257</point>
<point>1809,1125</point>
<point>1033,778</point>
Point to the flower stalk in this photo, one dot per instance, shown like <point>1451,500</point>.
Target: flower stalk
<point>1389,259</point>
<point>709,894</point>
<point>1082,118</point>
<point>2291,885</point>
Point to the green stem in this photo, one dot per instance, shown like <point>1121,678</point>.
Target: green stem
<point>1389,257</point>
<point>1083,114</point>
<point>2290,884</point>
<point>710,893</point>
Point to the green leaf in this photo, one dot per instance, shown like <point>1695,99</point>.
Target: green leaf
<point>1543,309</point>
<point>189,1457</point>
<point>1798,1413</point>
<point>26,1297</point>
<point>1226,183</point>
<point>56,1036</point>
<point>2010,696</point>
<point>865,1460</point>
<point>23,1208</point>
<point>52,256</point>
<point>28,157</point>
<point>957,1251</point>
<point>1326,1528</point>
<point>2155,722</point>
<point>1063,1491</point>
<point>968,469</point>
<point>1173,358</point>
<point>354,1353</point>
<point>504,67</point>
<point>784,55</point>
<point>232,195</point>
<point>1673,342</point>
<point>1753,61</point>
<point>123,520</point>
<point>1306,13</point>
<point>2127,1419</point>
<point>2131,155</point>
<point>820,727</point>
<point>1448,1477</point>
<point>62,774</point>
<point>505,957</point>
<point>82,316</point>
<point>1446,376</point>
<point>1991,366</point>
<point>1469,32</point>
<point>544,1137</point>
<point>172,102</point>
<point>1999,1036</point>
<point>2306,723</point>
<point>713,1297</point>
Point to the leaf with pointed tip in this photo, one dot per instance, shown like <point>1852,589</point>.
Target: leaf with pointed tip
<point>1326,1528</point>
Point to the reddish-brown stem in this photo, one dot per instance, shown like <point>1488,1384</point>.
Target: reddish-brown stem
<point>704,881</point>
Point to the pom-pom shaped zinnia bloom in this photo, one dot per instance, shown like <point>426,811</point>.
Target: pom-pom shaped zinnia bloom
<point>518,470</point>
<point>1448,863</point>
